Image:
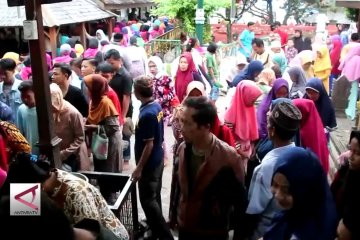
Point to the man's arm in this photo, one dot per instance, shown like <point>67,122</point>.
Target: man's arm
<point>143,159</point>
<point>147,125</point>
<point>125,105</point>
<point>127,85</point>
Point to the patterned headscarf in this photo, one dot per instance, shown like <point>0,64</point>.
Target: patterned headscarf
<point>15,141</point>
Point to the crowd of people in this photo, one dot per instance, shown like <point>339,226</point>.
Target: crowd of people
<point>260,170</point>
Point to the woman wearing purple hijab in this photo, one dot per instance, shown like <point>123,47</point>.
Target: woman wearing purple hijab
<point>280,89</point>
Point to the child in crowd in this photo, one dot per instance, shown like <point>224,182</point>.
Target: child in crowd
<point>291,51</point>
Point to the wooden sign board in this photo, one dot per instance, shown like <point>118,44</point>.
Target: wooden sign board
<point>15,3</point>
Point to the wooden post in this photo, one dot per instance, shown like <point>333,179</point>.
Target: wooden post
<point>110,27</point>
<point>48,142</point>
<point>53,41</point>
<point>82,35</point>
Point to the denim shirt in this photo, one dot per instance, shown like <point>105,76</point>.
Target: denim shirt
<point>14,100</point>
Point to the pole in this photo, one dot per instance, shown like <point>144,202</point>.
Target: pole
<point>200,20</point>
<point>48,142</point>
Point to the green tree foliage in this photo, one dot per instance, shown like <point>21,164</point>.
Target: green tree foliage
<point>352,14</point>
<point>184,10</point>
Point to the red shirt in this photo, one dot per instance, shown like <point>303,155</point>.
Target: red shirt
<point>283,37</point>
<point>114,98</point>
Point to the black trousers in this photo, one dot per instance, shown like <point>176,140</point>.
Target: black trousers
<point>150,185</point>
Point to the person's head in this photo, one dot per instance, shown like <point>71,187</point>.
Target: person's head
<point>61,74</point>
<point>241,62</point>
<point>51,222</point>
<point>277,70</point>
<point>197,119</point>
<point>280,89</point>
<point>106,70</point>
<point>254,68</point>
<point>133,40</point>
<point>354,147</point>
<point>355,37</point>
<point>57,98</point>
<point>100,35</point>
<point>272,27</point>
<point>113,57</point>
<point>88,66</point>
<point>65,49</point>
<point>195,89</point>
<point>7,70</point>
<point>27,93</point>
<point>277,24</point>
<point>296,74</point>
<point>251,26</point>
<point>314,89</point>
<point>275,46</point>
<point>299,183</point>
<point>155,65</point>
<point>212,48</point>
<point>97,87</point>
<point>185,61</point>
<point>93,43</point>
<point>298,33</point>
<point>283,121</point>
<point>75,65</point>
<point>258,46</point>
<point>322,52</point>
<point>143,88</point>
<point>118,38</point>
<point>266,77</point>
<point>192,43</point>
<point>290,43</point>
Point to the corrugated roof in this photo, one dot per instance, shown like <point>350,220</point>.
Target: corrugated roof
<point>118,4</point>
<point>55,14</point>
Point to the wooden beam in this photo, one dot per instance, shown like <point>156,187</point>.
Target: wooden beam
<point>53,41</point>
<point>48,142</point>
<point>82,35</point>
<point>110,25</point>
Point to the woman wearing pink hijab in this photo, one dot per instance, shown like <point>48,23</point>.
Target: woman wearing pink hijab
<point>350,67</point>
<point>241,117</point>
<point>312,133</point>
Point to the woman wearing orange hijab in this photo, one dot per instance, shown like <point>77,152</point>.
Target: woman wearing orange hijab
<point>103,112</point>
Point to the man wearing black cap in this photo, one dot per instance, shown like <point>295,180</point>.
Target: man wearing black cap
<point>283,124</point>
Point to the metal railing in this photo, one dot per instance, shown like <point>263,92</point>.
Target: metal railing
<point>168,50</point>
<point>170,35</point>
<point>228,50</point>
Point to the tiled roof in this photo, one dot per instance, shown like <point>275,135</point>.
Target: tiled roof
<point>55,14</point>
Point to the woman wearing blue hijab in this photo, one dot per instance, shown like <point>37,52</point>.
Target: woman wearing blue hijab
<point>250,73</point>
<point>315,91</point>
<point>301,190</point>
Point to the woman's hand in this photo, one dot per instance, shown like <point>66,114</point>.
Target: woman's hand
<point>343,232</point>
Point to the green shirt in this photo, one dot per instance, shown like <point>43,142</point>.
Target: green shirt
<point>194,166</point>
<point>211,63</point>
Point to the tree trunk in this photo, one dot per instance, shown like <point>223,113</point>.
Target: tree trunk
<point>229,32</point>
<point>270,11</point>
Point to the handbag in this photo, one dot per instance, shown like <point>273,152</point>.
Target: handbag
<point>100,143</point>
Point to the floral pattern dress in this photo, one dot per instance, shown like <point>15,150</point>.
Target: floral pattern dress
<point>83,200</point>
<point>164,94</point>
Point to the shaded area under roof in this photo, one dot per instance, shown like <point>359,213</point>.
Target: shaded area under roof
<point>55,14</point>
